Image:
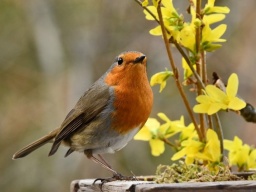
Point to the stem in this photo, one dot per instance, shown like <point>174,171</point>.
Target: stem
<point>210,125</point>
<point>169,143</point>
<point>202,125</point>
<point>176,73</point>
<point>198,64</point>
<point>184,55</point>
<point>198,30</point>
<point>204,68</point>
<point>204,78</point>
<point>219,133</point>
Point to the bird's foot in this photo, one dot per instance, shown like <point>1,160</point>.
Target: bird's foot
<point>116,177</point>
<point>121,177</point>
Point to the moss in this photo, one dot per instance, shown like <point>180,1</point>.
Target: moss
<point>252,177</point>
<point>180,172</point>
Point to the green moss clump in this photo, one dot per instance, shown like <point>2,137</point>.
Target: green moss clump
<point>180,172</point>
<point>252,177</point>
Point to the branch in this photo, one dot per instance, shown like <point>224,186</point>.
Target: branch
<point>175,71</point>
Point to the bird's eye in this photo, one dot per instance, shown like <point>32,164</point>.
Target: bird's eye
<point>120,60</point>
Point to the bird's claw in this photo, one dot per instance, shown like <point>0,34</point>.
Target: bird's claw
<point>116,177</point>
<point>121,177</point>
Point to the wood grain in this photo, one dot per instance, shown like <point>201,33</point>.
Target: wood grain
<point>149,186</point>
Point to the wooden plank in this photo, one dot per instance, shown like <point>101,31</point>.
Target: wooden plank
<point>148,186</point>
<point>114,186</point>
<point>224,186</point>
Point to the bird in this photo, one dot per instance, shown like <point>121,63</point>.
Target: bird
<point>107,116</point>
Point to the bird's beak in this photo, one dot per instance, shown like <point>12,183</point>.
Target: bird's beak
<point>139,59</point>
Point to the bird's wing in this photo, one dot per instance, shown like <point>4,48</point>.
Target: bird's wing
<point>87,108</point>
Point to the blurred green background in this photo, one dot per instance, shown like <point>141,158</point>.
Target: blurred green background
<point>52,50</point>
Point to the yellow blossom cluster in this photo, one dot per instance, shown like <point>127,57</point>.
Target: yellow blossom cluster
<point>184,32</point>
<point>194,150</point>
<point>241,155</point>
<point>188,144</point>
<point>157,134</point>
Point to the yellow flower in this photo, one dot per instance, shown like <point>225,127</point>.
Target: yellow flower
<point>170,128</point>
<point>160,78</point>
<point>211,150</point>
<point>145,3</point>
<point>188,33</point>
<point>172,21</point>
<point>211,102</point>
<point>190,149</point>
<point>157,147</point>
<point>187,71</point>
<point>168,10</point>
<point>215,99</point>
<point>156,133</point>
<point>234,102</point>
<point>210,8</point>
<point>194,150</point>
<point>187,37</point>
<point>188,132</point>
<point>212,36</point>
<point>157,31</point>
<point>213,18</point>
<point>149,132</point>
<point>190,145</point>
<point>240,155</point>
<point>251,161</point>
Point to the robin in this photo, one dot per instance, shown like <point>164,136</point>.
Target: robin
<point>107,116</point>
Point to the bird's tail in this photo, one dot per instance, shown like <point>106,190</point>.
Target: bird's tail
<point>35,145</point>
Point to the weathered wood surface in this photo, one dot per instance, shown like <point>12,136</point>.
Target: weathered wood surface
<point>148,186</point>
<point>114,186</point>
<point>224,186</point>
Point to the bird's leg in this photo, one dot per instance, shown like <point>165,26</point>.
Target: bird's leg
<point>103,160</point>
<point>116,176</point>
<point>104,164</point>
<point>100,161</point>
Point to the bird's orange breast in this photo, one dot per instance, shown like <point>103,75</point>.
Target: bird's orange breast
<point>133,97</point>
